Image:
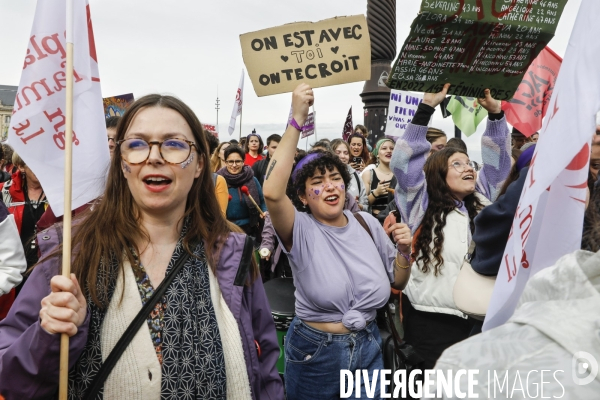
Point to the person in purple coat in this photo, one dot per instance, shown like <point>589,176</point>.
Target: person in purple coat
<point>211,336</point>
<point>342,271</point>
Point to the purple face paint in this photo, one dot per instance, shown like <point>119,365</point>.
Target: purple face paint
<point>317,191</point>
<point>343,187</point>
<point>126,167</point>
<point>188,161</point>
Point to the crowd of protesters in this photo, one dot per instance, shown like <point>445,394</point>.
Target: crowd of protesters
<point>228,217</point>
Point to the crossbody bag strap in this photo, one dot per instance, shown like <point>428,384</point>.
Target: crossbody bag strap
<point>134,327</point>
<point>363,223</point>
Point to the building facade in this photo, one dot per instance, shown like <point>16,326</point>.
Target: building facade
<point>7,102</point>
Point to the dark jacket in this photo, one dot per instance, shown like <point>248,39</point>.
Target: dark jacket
<point>29,356</point>
<point>492,228</point>
<point>260,169</point>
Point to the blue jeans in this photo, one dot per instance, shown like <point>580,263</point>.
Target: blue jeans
<point>313,360</point>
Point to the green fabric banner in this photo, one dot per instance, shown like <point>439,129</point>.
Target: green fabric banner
<point>467,113</point>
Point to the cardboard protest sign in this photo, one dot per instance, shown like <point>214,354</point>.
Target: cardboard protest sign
<point>528,107</point>
<point>324,53</point>
<point>116,105</point>
<point>467,113</point>
<point>401,110</point>
<point>474,45</point>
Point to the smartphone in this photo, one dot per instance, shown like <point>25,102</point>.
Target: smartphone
<point>357,160</point>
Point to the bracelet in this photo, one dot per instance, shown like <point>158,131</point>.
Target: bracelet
<point>406,256</point>
<point>398,264</point>
<point>295,124</point>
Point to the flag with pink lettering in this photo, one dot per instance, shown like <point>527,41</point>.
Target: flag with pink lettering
<point>549,219</point>
<point>38,122</point>
<point>348,127</point>
<point>526,110</point>
<point>237,105</point>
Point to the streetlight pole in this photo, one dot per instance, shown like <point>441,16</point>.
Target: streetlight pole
<point>217,107</point>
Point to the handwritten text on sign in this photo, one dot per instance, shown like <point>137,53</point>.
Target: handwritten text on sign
<point>324,53</point>
<point>401,110</point>
<point>474,45</point>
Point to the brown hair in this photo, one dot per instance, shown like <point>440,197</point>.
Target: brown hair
<point>215,160</point>
<point>434,134</point>
<point>366,156</point>
<point>110,229</point>
<point>363,129</point>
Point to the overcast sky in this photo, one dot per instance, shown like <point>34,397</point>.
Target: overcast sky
<point>191,48</point>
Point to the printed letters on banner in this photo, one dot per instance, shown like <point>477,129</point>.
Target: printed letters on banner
<point>38,123</point>
<point>549,219</point>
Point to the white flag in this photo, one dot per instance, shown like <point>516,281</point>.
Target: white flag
<point>549,220</point>
<point>38,123</point>
<point>237,104</point>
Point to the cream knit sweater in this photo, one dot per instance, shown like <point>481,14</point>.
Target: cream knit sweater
<point>137,374</point>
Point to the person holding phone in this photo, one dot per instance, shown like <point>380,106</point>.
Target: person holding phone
<point>381,178</point>
<point>359,153</point>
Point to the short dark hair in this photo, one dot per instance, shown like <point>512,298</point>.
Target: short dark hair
<point>324,144</point>
<point>233,141</point>
<point>457,143</point>
<point>112,122</point>
<point>213,142</point>
<point>234,149</point>
<point>273,138</point>
<point>327,161</point>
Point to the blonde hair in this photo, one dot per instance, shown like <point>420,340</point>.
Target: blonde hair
<point>18,161</point>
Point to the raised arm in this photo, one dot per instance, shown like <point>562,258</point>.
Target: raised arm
<point>279,170</point>
<point>408,159</point>
<point>495,150</point>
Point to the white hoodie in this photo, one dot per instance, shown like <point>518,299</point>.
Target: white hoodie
<point>557,318</point>
<point>12,257</point>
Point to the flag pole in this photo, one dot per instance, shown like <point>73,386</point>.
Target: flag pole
<point>241,113</point>
<point>66,258</point>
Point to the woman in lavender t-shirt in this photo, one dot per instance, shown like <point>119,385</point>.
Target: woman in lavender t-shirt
<point>342,275</point>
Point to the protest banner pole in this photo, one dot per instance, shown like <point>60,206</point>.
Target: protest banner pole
<point>66,256</point>
<point>241,113</point>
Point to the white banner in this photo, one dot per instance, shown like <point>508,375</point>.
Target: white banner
<point>401,110</point>
<point>237,104</point>
<point>38,123</point>
<point>549,220</point>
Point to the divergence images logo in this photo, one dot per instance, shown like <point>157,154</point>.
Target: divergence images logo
<point>584,368</point>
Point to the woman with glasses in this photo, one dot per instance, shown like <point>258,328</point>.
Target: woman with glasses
<point>253,149</point>
<point>243,188</point>
<point>209,336</point>
<point>438,197</point>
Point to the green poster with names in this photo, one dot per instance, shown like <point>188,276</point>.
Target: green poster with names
<point>474,45</point>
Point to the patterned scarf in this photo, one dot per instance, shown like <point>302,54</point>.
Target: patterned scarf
<point>193,363</point>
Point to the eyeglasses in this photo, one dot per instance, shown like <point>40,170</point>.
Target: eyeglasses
<point>231,163</point>
<point>113,139</point>
<point>460,167</point>
<point>173,151</point>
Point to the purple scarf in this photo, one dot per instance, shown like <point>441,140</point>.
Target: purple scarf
<point>244,178</point>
